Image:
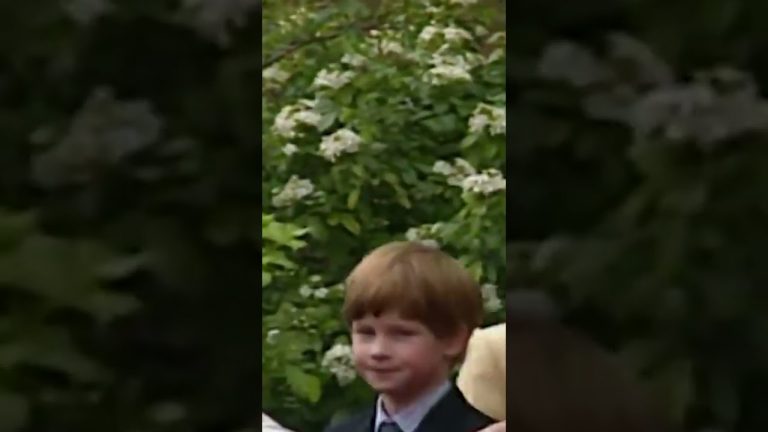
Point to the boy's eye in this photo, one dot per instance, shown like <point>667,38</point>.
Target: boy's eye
<point>366,331</point>
<point>404,332</point>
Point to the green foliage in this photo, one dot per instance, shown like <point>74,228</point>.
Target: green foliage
<point>130,193</point>
<point>366,108</point>
<point>640,171</point>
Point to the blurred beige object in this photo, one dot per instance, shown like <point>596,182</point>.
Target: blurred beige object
<point>483,376</point>
<point>269,425</point>
<point>496,427</point>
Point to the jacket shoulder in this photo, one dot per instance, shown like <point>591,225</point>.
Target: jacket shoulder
<point>357,422</point>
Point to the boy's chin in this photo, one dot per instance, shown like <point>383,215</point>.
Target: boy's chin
<point>386,386</point>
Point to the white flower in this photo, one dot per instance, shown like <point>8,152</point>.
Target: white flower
<point>289,149</point>
<point>429,32</point>
<point>293,191</point>
<point>446,73</point>
<point>341,141</point>
<point>272,336</point>
<point>338,361</point>
<point>488,117</point>
<point>321,293</point>
<point>491,301</point>
<point>305,291</point>
<point>463,2</point>
<point>289,118</point>
<point>354,59</point>
<point>486,182</point>
<point>413,234</point>
<point>456,34</point>
<point>417,235</point>
<point>497,37</point>
<point>430,243</point>
<point>332,79</point>
<point>275,74</point>
<point>308,117</point>
<point>447,69</point>
<point>451,34</point>
<point>464,175</point>
<point>463,167</point>
<point>495,55</point>
<point>391,46</point>
<point>443,167</point>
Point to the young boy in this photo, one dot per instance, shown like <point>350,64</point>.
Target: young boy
<point>411,310</point>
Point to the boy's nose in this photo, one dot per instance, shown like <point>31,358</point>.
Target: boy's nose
<point>379,349</point>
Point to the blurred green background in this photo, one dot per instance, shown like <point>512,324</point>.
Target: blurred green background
<point>638,189</point>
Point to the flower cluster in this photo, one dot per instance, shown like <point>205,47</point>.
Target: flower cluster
<point>354,59</point>
<point>491,301</point>
<point>291,116</point>
<point>342,141</point>
<point>425,235</point>
<point>332,79</point>
<point>464,175</point>
<point>485,183</point>
<point>490,118</point>
<point>272,336</point>
<point>386,42</point>
<point>447,69</point>
<point>456,172</point>
<point>275,75</point>
<point>450,34</point>
<point>290,149</point>
<point>294,191</point>
<point>308,292</point>
<point>338,361</point>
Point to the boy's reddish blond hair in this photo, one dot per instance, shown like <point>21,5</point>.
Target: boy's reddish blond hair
<point>420,282</point>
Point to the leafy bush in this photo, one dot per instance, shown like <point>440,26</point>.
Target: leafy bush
<point>383,121</point>
<point>659,256</point>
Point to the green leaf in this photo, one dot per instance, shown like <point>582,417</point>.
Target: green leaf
<point>470,140</point>
<point>400,194</point>
<point>476,270</point>
<point>326,121</point>
<point>359,170</point>
<point>122,267</point>
<point>353,198</point>
<point>350,223</point>
<point>303,384</point>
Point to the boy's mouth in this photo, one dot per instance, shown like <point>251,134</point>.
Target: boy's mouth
<point>382,371</point>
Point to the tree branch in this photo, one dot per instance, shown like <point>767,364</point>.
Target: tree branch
<point>372,24</point>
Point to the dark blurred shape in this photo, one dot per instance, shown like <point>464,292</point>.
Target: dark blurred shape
<point>561,381</point>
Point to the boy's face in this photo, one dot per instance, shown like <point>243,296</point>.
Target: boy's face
<point>400,357</point>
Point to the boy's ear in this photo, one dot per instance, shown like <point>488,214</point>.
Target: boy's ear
<point>457,343</point>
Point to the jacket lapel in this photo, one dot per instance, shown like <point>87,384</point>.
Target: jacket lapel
<point>447,415</point>
<point>366,422</point>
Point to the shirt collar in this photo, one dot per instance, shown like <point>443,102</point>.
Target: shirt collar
<point>409,418</point>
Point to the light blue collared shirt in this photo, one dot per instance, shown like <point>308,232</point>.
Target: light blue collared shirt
<point>409,418</point>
